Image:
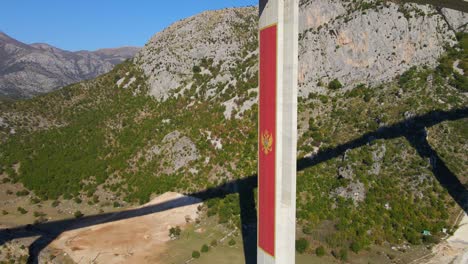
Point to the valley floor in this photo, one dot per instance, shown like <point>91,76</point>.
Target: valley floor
<point>141,235</point>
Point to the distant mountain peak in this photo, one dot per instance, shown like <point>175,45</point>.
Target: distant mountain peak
<point>41,45</point>
<point>28,70</point>
<point>115,55</point>
<point>4,36</point>
<point>46,47</point>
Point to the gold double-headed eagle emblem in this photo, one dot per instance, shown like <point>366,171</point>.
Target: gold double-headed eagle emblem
<point>266,142</point>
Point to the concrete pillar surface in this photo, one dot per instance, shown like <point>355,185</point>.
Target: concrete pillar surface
<point>278,36</point>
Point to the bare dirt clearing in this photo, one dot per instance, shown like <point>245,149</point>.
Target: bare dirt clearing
<point>454,249</point>
<point>133,240</point>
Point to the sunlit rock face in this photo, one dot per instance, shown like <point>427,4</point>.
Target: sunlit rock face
<point>456,19</point>
<point>352,41</point>
<point>370,45</point>
<point>169,56</point>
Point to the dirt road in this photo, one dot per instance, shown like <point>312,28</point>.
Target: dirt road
<point>454,249</point>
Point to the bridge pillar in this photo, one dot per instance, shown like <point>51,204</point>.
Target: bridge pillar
<point>278,41</point>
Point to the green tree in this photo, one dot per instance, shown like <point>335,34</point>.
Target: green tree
<point>431,240</point>
<point>204,248</point>
<point>355,246</point>
<point>196,69</point>
<point>302,245</point>
<point>307,229</point>
<point>39,214</point>
<point>195,254</point>
<point>78,214</point>
<point>412,236</point>
<point>174,232</point>
<point>22,193</point>
<point>22,210</point>
<point>335,85</point>
<point>320,251</point>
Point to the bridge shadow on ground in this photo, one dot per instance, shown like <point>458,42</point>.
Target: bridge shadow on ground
<point>413,129</point>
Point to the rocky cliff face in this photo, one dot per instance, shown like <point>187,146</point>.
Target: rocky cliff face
<point>169,57</point>
<point>356,42</point>
<point>457,20</point>
<point>28,70</point>
<point>368,44</point>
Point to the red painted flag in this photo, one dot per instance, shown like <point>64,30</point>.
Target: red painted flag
<point>267,140</point>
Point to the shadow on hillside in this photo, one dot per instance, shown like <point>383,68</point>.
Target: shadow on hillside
<point>458,5</point>
<point>413,129</point>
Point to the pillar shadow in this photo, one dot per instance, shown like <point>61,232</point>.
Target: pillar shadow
<point>261,7</point>
<point>446,178</point>
<point>248,219</point>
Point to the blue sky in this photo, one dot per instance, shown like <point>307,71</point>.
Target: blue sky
<point>94,24</point>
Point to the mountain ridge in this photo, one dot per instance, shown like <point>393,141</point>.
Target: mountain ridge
<point>37,68</point>
<point>356,42</point>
